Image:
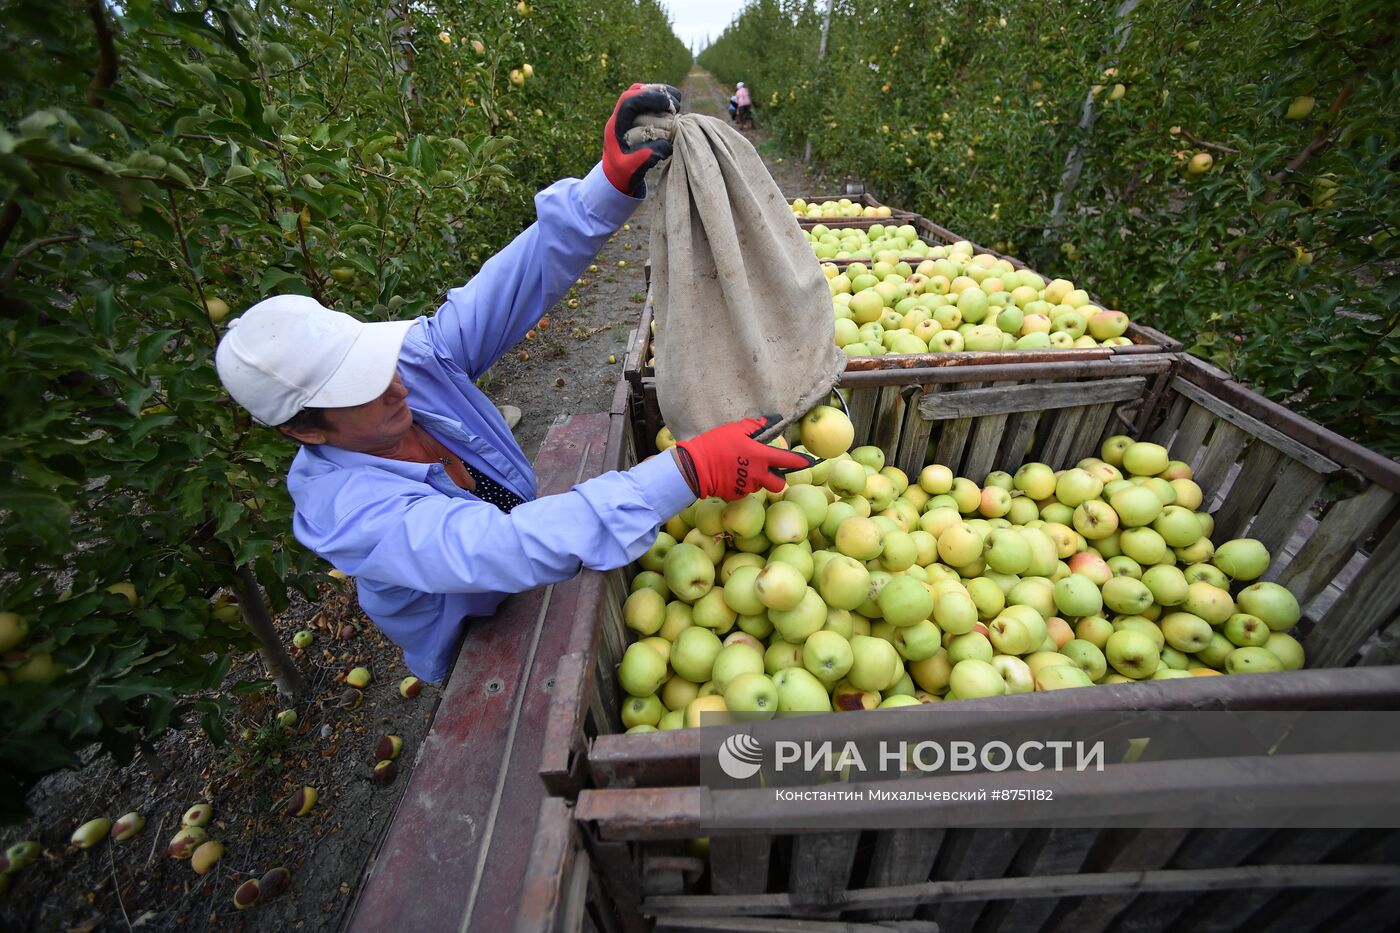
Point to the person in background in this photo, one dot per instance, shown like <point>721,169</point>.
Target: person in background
<point>744,100</point>
<point>733,110</point>
<point>409,479</point>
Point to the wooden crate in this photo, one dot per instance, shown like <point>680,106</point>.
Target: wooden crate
<point>865,199</point>
<point>1327,509</point>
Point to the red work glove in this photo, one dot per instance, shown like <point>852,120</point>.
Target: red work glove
<point>727,462</point>
<point>626,166</point>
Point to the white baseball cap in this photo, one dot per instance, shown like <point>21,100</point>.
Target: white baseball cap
<point>288,352</point>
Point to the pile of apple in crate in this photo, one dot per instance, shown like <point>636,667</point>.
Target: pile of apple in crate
<point>952,299</point>
<point>859,587</point>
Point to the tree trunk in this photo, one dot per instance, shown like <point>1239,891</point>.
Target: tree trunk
<point>275,658</point>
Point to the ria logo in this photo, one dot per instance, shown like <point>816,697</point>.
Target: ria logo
<point>740,756</point>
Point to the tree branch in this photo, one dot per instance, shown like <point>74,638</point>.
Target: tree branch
<point>13,269</point>
<point>106,74</point>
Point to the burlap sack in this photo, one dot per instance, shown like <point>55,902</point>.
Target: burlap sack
<point>744,325</point>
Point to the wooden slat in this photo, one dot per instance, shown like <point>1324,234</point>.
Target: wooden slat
<point>1375,912</point>
<point>861,403</point>
<point>1254,427</point>
<point>1142,850</point>
<point>821,871</point>
<point>985,442</point>
<point>1165,431</point>
<point>1091,432</point>
<point>554,890</point>
<point>952,436</point>
<point>1046,852</point>
<point>1005,399</point>
<point>1314,910</point>
<point>901,856</point>
<point>913,436</point>
<point>1385,650</point>
<point>1222,913</point>
<point>780,925</point>
<point>739,864</point>
<point>677,909</point>
<point>1061,437</point>
<point>1252,483</point>
<point>1346,526</point>
<point>1372,599</point>
<point>1290,499</point>
<point>1194,428</point>
<point>1226,443</point>
<point>1207,848</point>
<point>1020,431</point>
<point>980,853</point>
<point>888,418</point>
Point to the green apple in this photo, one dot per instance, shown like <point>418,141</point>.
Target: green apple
<point>1136,506</point>
<point>1252,661</point>
<point>675,719</point>
<point>970,645</point>
<point>1036,480</point>
<point>1125,566</point>
<point>973,678</point>
<point>1287,649</point>
<point>1112,449</point>
<point>1094,629</point>
<point>1273,603</point>
<point>1209,602</point>
<point>759,626</point>
<point>840,621</point>
<point>1126,596</point>
<point>1076,486</point>
<point>1246,631</point>
<point>1009,634</point>
<point>677,692</point>
<point>1178,527</point>
<point>651,580</point>
<point>811,499</point>
<point>656,554</point>
<point>1168,585</point>
<point>753,694</point>
<point>709,516</point>
<point>1087,656</point>
<point>743,518</point>
<point>1077,596</point>
<point>847,478</point>
<point>1174,658</point>
<point>1015,673</point>
<point>955,612</point>
<point>918,641</point>
<point>1197,552</point>
<point>1186,632</point>
<point>960,545</point>
<point>642,670</point>
<point>859,538</point>
<point>1036,592</point>
<point>740,593</point>
<point>1062,677</point>
<point>1169,673</point>
<point>826,431</point>
<point>780,656</point>
<point>689,573</point>
<point>827,655</point>
<point>932,673</point>
<point>1141,624</point>
<point>693,653</point>
<point>1144,459</point>
<point>800,691</point>
<point>1207,573</point>
<point>986,594</point>
<point>642,711</point>
<point>1095,519</point>
<point>935,479</point>
<point>712,612</point>
<point>733,660</point>
<point>873,662</point>
<point>780,586</point>
<point>836,513</point>
<point>799,555</point>
<point>1132,653</point>
<point>1217,651</point>
<point>1007,550</point>
<point>846,697</point>
<point>905,601</point>
<point>807,617</point>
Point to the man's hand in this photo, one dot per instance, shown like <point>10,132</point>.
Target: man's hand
<point>727,462</point>
<point>625,165</point>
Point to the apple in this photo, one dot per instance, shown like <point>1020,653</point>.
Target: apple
<point>1107,324</point>
<point>1113,448</point>
<point>1271,602</point>
<point>970,645</point>
<point>781,655</point>
<point>1141,624</point>
<point>733,660</point>
<point>1188,494</point>
<point>1252,661</point>
<point>1132,653</point>
<point>847,478</point>
<point>973,678</point>
<point>1095,519</point>
<point>693,654</point>
<point>1015,673</point>
<point>905,601</point>
<point>1090,564</point>
<point>739,591</point>
<point>843,582</point>
<point>1011,635</point>
<point>1007,551</point>
<point>935,479</point>
<point>1186,632</point>
<point>1077,596</point>
<point>1242,558</point>
<point>1168,585</point>
<point>688,572</point>
<point>677,692</point>
<point>1144,459</point>
<point>1076,486</point>
<point>960,545</point>
<point>706,710</point>
<point>919,641</point>
<point>1062,677</point>
<point>859,538</point>
<point>1144,545</point>
<point>827,655</point>
<point>1209,602</point>
<point>642,711</point>
<point>1059,631</point>
<point>1036,480</point>
<point>1125,566</point>
<point>1207,573</point>
<point>780,586</point>
<point>1246,631</point>
<point>807,617</point>
<point>742,518</point>
<point>1287,649</point>
<point>652,559</point>
<point>800,691</point>
<point>898,551</point>
<point>1087,656</point>
<point>642,670</point>
<point>712,612</point>
<point>1036,592</point>
<point>955,612</point>
<point>836,513</point>
<point>1179,527</point>
<point>1126,595</point>
<point>826,431</point>
<point>1136,506</point>
<point>1217,651</point>
<point>845,696</point>
<point>1094,629</point>
<point>966,495</point>
<point>753,694</point>
<point>995,502</point>
<point>873,661</point>
<point>1199,551</point>
<point>932,673</point>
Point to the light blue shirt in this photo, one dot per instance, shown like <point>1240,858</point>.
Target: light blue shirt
<point>427,554</point>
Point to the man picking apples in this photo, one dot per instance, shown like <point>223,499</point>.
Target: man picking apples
<point>408,477</point>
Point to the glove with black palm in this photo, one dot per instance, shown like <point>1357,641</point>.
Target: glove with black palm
<point>627,165</point>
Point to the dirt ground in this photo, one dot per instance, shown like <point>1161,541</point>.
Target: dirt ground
<point>570,365</point>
